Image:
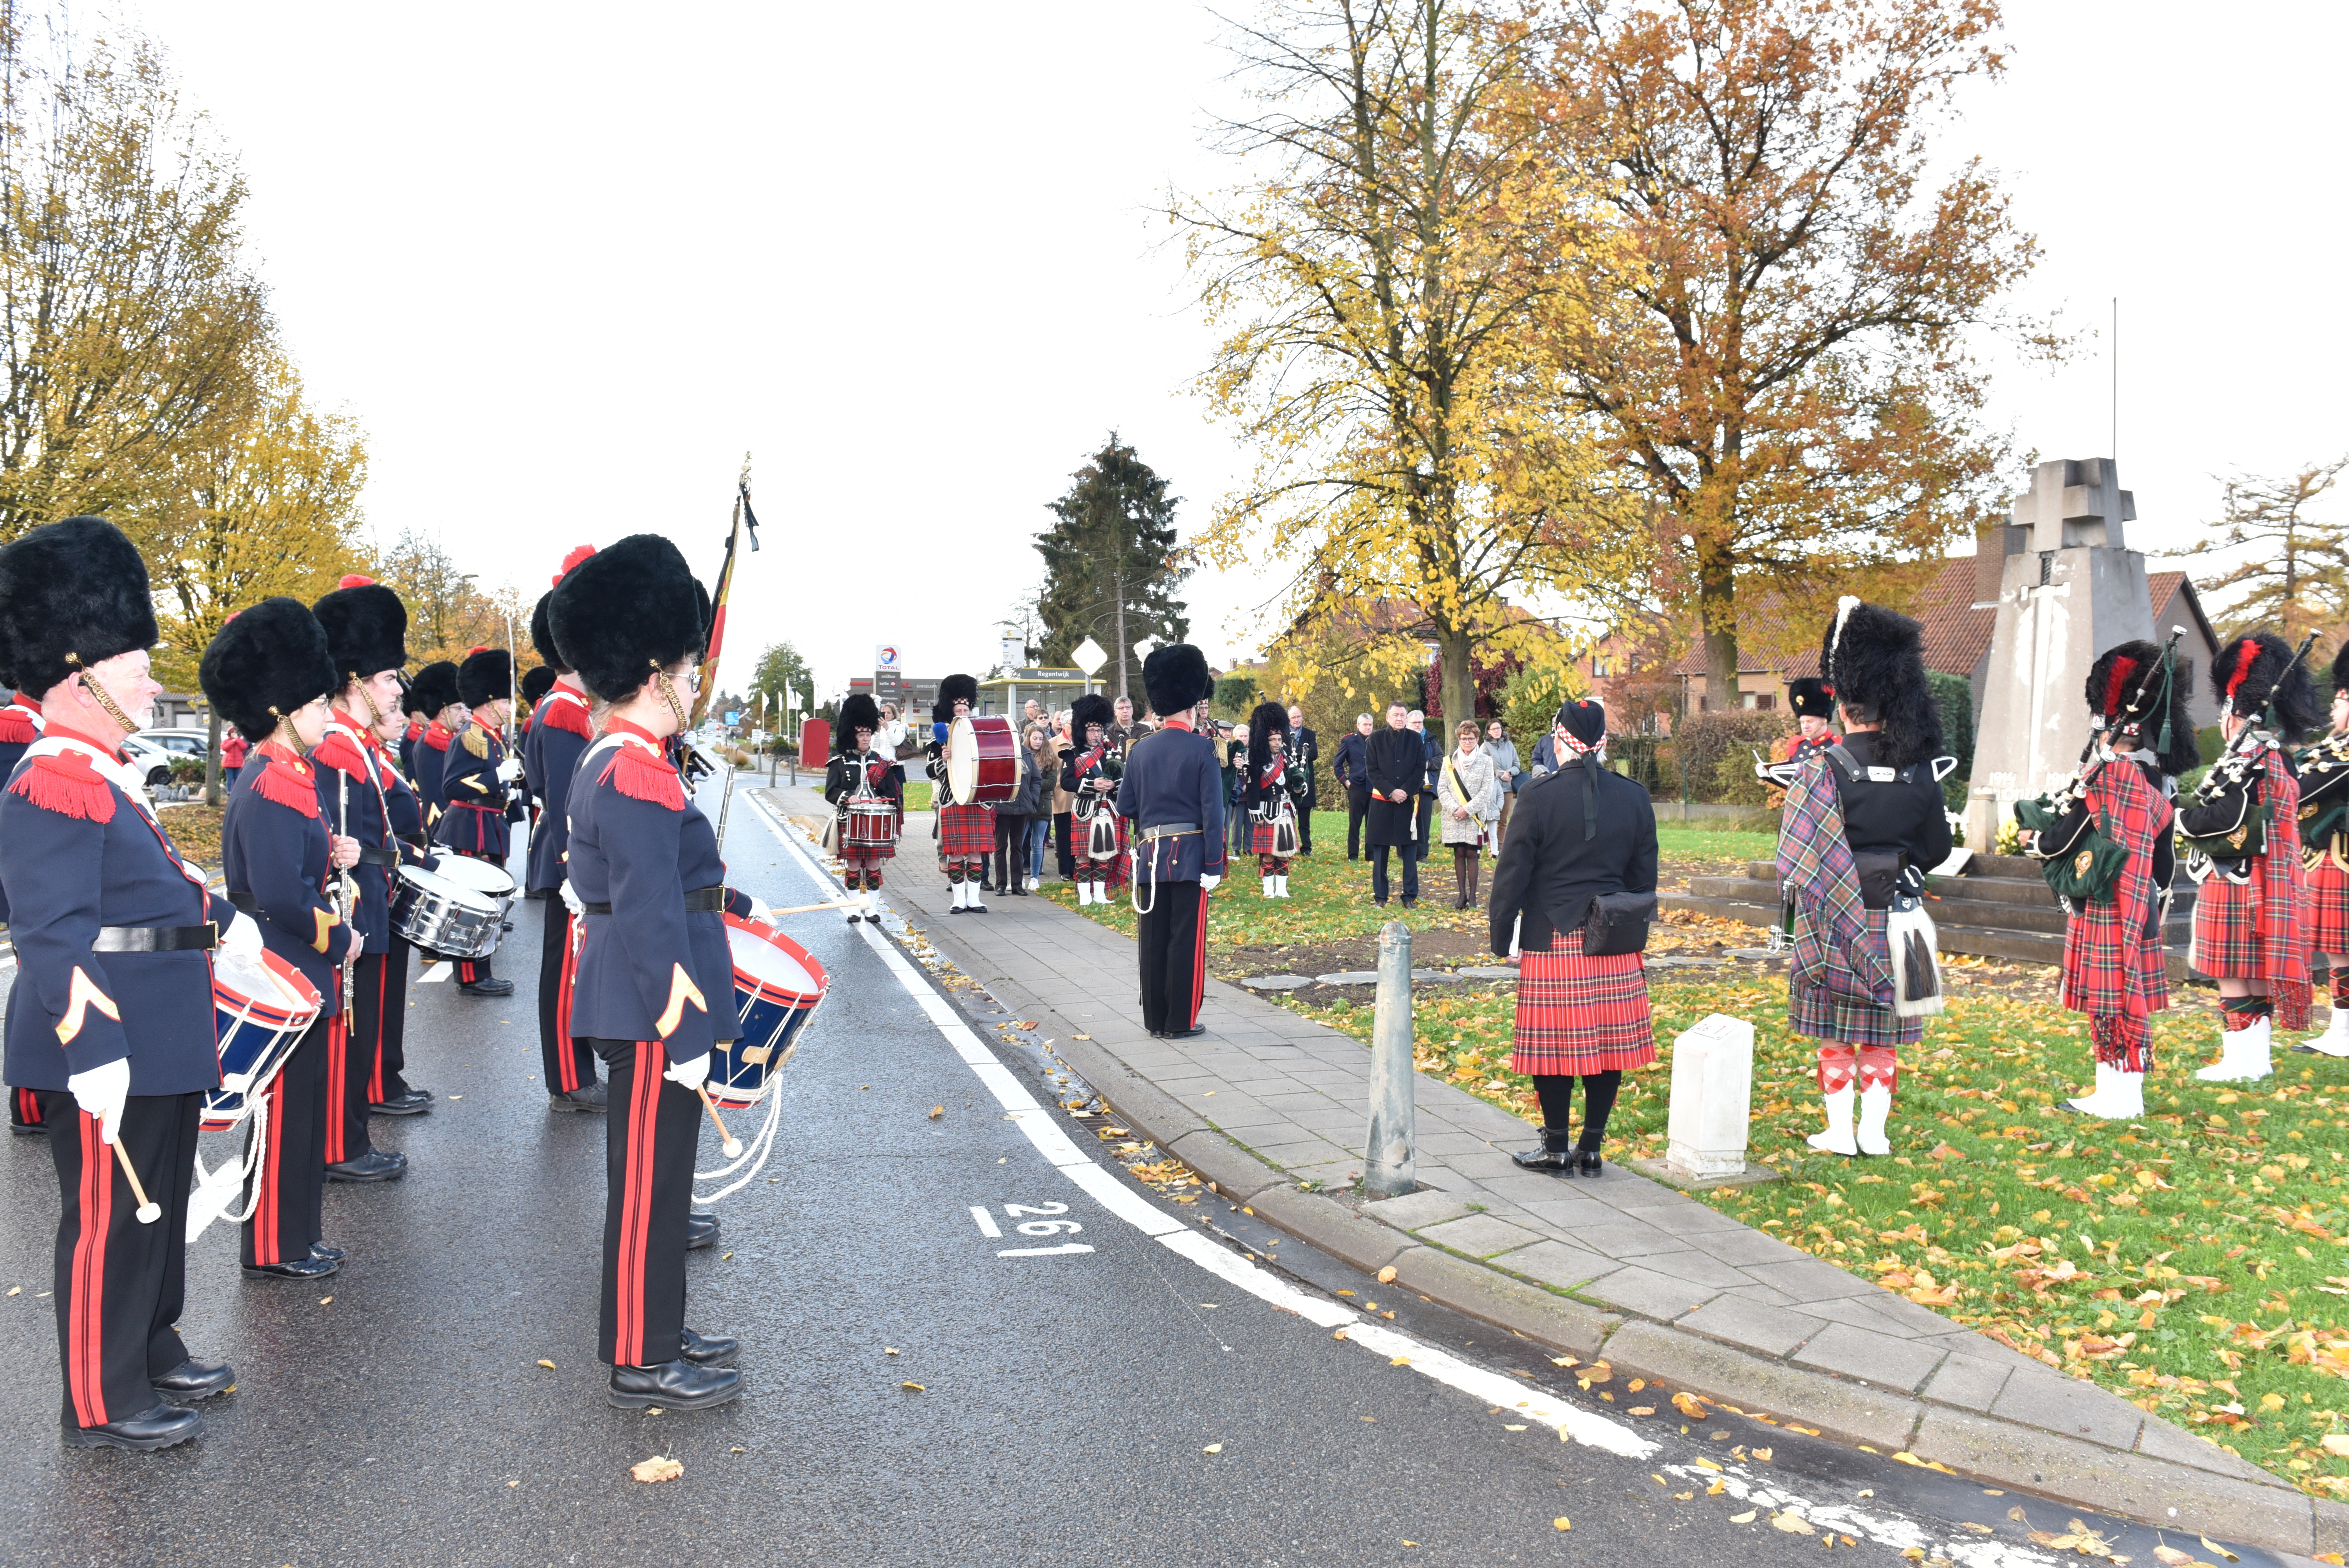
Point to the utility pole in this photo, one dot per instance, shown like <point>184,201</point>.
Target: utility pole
<point>1118,579</point>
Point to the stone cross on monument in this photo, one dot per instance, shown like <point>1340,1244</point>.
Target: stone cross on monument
<point>2070,589</point>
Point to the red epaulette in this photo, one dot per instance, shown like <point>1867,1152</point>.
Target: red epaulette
<point>641,777</point>
<point>338,752</point>
<point>67,785</point>
<point>276,780</point>
<point>569,714</point>
<point>437,738</point>
<point>17,727</point>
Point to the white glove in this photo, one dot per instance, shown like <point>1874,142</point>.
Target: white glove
<point>102,1092</point>
<point>692,1074</point>
<point>509,770</point>
<point>243,936</point>
<point>1209,880</point>
<point>571,902</point>
<point>760,912</point>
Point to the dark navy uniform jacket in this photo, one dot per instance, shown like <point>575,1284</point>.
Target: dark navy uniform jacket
<point>560,729</point>
<point>407,811</point>
<point>344,759</point>
<point>431,757</point>
<point>274,849</point>
<point>20,725</point>
<point>475,822</point>
<point>80,850</point>
<point>649,969</point>
<point>407,744</point>
<point>1172,775</point>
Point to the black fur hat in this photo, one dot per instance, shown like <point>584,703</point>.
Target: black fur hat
<point>1091,709</point>
<point>536,682</point>
<point>1267,718</point>
<point>434,688</point>
<point>265,663</point>
<point>367,628</point>
<point>857,711</point>
<point>1810,697</point>
<point>542,635</point>
<point>2126,694</point>
<point>1175,679</point>
<point>626,611</point>
<point>72,594</point>
<point>486,674</point>
<point>2340,669</point>
<point>949,689</point>
<point>2251,668</point>
<point>1875,660</point>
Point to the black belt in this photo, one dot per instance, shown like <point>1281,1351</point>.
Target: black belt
<point>157,938</point>
<point>1169,830</point>
<point>373,857</point>
<point>700,900</point>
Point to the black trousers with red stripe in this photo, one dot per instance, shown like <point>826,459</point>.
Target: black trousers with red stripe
<point>654,1131</point>
<point>120,1284</point>
<point>289,1182</point>
<point>25,1106</point>
<point>569,1061</point>
<point>1173,941</point>
<point>391,1033</point>
<point>469,970</point>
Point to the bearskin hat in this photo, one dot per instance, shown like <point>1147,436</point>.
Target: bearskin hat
<point>542,635</point>
<point>367,628</point>
<point>626,612</point>
<point>2340,669</point>
<point>1266,717</point>
<point>1175,679</point>
<point>486,674</point>
<point>1091,709</point>
<point>72,594</point>
<point>1874,658</point>
<point>857,711</point>
<point>265,663</point>
<point>954,687</point>
<point>536,682</point>
<point>2127,694</point>
<point>434,688</point>
<point>1810,697</point>
<point>2256,668</point>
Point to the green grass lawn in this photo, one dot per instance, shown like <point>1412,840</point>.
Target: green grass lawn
<point>1677,842</point>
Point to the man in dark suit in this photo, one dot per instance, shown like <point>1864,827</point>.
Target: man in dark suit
<point>1396,769</point>
<point>1305,748</point>
<point>1352,769</point>
<point>1173,792</point>
<point>1434,751</point>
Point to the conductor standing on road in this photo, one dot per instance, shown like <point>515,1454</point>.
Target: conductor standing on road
<point>1173,791</point>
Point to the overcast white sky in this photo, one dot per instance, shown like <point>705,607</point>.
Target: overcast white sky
<point>566,264</point>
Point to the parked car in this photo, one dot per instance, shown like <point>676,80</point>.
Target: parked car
<point>153,750</point>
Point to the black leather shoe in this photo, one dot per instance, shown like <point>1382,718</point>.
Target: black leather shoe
<point>710,1349</point>
<point>701,1231</point>
<point>1195,1030</point>
<point>1411,903</point>
<point>29,1129</point>
<point>506,925</point>
<point>677,1385</point>
<point>375,1165</point>
<point>1556,1152</point>
<point>312,1267</point>
<point>1589,1166</point>
<point>414,1102</point>
<point>855,919</point>
<point>589,1096</point>
<point>489,988</point>
<point>195,1379</point>
<point>159,1427</point>
<point>321,1250</point>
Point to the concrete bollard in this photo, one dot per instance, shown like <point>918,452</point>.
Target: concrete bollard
<point>1390,1168</point>
<point>1713,1089</point>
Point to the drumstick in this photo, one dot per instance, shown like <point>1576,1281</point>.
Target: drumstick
<point>148,1210</point>
<point>726,1140</point>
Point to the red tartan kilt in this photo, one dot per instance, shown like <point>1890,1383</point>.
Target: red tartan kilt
<point>2328,907</point>
<point>965,832</point>
<point>1081,834</point>
<point>1578,1014</point>
<point>1261,836</point>
<point>2227,930</point>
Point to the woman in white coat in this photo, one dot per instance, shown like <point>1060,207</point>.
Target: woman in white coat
<point>1468,794</point>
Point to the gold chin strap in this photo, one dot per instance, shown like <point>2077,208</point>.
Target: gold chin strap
<point>284,731</point>
<point>668,694</point>
<point>375,714</point>
<point>104,699</point>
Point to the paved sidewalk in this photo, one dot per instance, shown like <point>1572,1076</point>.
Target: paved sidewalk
<point>1269,1104</point>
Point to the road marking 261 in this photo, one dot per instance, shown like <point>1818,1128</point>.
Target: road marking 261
<point>985,1220</point>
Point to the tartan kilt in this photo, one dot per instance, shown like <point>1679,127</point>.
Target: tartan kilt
<point>1081,834</point>
<point>2328,906</point>
<point>1824,1014</point>
<point>966,832</point>
<point>1578,1014</point>
<point>1261,836</point>
<point>2227,930</point>
<point>2096,955</point>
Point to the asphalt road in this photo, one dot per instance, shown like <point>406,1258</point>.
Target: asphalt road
<point>1069,1401</point>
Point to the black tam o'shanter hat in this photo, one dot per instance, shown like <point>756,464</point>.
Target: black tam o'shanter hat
<point>486,674</point>
<point>1266,717</point>
<point>1175,678</point>
<point>367,628</point>
<point>951,690</point>
<point>1584,719</point>
<point>2131,695</point>
<point>1874,658</point>
<point>626,612</point>
<point>1091,709</point>
<point>265,663</point>
<point>2256,667</point>
<point>857,711</point>
<point>72,595</point>
<point>1810,697</point>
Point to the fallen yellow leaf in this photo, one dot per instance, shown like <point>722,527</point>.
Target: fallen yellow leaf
<point>888,1350</point>
<point>1561,1522</point>
<point>912,1388</point>
<point>1387,1274</point>
<point>937,1111</point>
<point>325,1299</point>
<point>1761,1454</point>
<point>548,1365</point>
<point>1512,1429</point>
<point>1399,1361</point>
<point>1792,1525</point>
<point>1745,1518</point>
<point>1213,1448</point>
<point>2212,1545</point>
<point>656,1469</point>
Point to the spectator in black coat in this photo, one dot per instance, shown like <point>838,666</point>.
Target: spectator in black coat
<point>1397,772</point>
<point>1434,751</point>
<point>1352,769</point>
<point>1305,751</point>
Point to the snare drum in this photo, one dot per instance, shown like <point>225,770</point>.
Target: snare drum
<point>261,1005</point>
<point>439,914</point>
<point>778,986</point>
<point>983,760</point>
<point>485,877</point>
<point>872,821</point>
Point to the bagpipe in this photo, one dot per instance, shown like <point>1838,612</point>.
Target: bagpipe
<point>2081,863</point>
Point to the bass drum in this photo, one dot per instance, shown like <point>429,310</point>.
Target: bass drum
<point>983,760</point>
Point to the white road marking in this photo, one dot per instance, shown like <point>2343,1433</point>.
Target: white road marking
<point>1585,1427</point>
<point>1900,1534</point>
<point>1041,1252</point>
<point>986,1223</point>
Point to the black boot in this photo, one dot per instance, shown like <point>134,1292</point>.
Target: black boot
<point>701,1231</point>
<point>157,1428</point>
<point>1555,1153</point>
<point>192,1379</point>
<point>1589,1161</point>
<point>677,1385</point>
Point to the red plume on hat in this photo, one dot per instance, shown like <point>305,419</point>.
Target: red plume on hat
<point>355,580</point>
<point>579,553</point>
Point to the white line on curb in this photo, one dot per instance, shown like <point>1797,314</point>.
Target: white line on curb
<point>1584,1427</point>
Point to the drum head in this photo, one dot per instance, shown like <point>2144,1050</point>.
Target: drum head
<point>274,987</point>
<point>482,876</point>
<point>772,964</point>
<point>448,889</point>
<point>962,760</point>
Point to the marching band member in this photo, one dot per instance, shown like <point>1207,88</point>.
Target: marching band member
<point>1174,793</point>
<point>20,725</point>
<point>2249,906</point>
<point>536,682</point>
<point>436,688</point>
<point>417,721</point>
<point>857,766</point>
<point>1274,795</point>
<point>475,784</point>
<point>366,637</point>
<point>1090,770</point>
<point>110,1021</point>
<point>562,727</point>
<point>1865,821</point>
<point>966,833</point>
<point>655,976</point>
<point>270,673</point>
<point>388,1091</point>
<point>2323,771</point>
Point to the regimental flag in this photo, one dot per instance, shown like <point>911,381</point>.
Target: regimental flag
<point>743,516</point>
